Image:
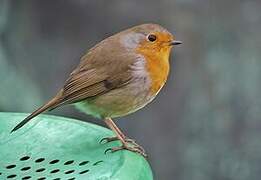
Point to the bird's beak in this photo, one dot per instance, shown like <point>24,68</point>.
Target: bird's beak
<point>174,43</point>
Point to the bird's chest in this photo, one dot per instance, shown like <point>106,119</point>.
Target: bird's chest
<point>158,70</point>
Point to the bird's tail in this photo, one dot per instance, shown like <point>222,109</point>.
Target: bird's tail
<point>52,104</point>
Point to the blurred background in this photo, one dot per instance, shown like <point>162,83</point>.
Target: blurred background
<point>205,124</point>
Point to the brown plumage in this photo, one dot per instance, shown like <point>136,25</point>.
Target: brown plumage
<point>118,76</point>
<point>96,74</point>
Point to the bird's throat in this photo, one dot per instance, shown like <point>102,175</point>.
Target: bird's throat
<point>157,65</point>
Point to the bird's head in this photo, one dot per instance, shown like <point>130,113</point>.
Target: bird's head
<point>149,39</point>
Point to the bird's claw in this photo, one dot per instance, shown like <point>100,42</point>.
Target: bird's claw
<point>108,139</point>
<point>127,144</point>
<point>136,149</point>
<point>111,139</point>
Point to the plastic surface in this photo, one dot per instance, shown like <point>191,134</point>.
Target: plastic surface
<point>51,147</point>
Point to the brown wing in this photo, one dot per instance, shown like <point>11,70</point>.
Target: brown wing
<point>104,68</point>
<point>92,83</point>
<point>96,76</point>
<point>85,82</point>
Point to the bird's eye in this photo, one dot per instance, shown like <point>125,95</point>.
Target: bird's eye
<point>152,37</point>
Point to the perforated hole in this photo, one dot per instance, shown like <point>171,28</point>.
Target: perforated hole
<point>83,163</point>
<point>26,177</point>
<point>54,161</point>
<point>24,158</point>
<point>11,176</point>
<point>39,160</point>
<point>40,170</point>
<point>10,166</point>
<point>69,172</point>
<point>68,162</point>
<point>41,178</point>
<point>25,168</point>
<point>83,172</point>
<point>55,171</point>
<point>48,165</point>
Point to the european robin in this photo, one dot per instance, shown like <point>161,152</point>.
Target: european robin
<point>116,77</point>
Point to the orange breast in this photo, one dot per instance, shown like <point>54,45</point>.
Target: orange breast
<point>157,64</point>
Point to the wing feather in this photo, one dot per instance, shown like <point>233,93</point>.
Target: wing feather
<point>84,85</point>
<point>99,71</point>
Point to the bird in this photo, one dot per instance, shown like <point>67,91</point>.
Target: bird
<point>116,77</point>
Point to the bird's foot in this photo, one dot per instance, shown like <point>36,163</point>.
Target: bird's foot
<point>128,144</point>
<point>111,139</point>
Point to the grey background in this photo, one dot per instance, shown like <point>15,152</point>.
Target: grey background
<point>205,124</point>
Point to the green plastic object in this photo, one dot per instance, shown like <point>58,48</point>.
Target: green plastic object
<point>57,148</point>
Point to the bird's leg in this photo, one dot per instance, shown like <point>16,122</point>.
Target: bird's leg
<point>124,140</point>
<point>109,122</point>
<point>119,134</point>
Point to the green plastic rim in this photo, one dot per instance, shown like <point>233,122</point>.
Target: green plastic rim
<point>58,148</point>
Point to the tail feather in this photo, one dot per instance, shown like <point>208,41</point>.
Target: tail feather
<point>53,103</point>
